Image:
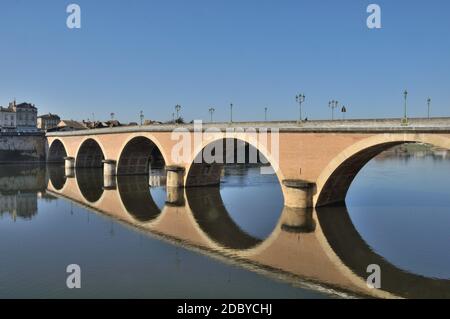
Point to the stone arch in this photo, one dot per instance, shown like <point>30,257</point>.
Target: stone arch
<point>89,155</point>
<point>335,180</point>
<point>199,173</point>
<point>138,156</point>
<point>56,152</point>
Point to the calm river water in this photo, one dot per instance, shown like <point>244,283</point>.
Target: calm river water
<point>236,241</point>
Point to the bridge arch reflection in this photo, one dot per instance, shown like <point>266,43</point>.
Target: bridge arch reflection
<point>213,218</point>
<point>346,242</point>
<point>57,176</point>
<point>136,198</point>
<point>321,246</point>
<point>90,183</point>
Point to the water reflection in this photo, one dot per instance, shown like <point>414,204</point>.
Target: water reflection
<point>253,200</point>
<point>90,183</point>
<point>213,218</point>
<point>19,191</point>
<point>136,197</point>
<point>356,254</point>
<point>416,150</point>
<point>297,220</point>
<point>320,246</point>
<point>57,176</point>
<point>18,204</point>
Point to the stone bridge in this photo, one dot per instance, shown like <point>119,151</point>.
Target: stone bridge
<point>315,162</point>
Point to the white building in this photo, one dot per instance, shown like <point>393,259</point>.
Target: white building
<point>48,121</point>
<point>26,116</point>
<point>8,120</point>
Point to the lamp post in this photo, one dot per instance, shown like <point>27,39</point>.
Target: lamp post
<point>429,107</point>
<point>141,116</point>
<point>265,114</point>
<point>177,109</point>
<point>211,112</point>
<point>231,112</point>
<point>405,113</point>
<point>332,105</point>
<point>112,116</point>
<point>300,98</point>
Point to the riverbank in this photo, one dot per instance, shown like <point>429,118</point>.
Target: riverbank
<point>18,147</point>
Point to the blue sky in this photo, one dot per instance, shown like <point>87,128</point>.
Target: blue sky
<point>151,55</point>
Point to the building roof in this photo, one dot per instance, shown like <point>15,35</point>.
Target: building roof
<point>26,106</point>
<point>13,105</point>
<point>72,124</point>
<point>48,116</point>
<point>92,125</point>
<point>112,123</point>
<point>6,109</point>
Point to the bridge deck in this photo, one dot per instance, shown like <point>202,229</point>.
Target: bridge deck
<point>418,125</point>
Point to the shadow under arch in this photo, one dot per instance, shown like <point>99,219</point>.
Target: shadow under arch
<point>138,156</point>
<point>334,182</point>
<point>135,195</point>
<point>90,183</point>
<point>57,176</point>
<point>57,152</point>
<point>356,254</point>
<point>214,220</point>
<point>89,155</point>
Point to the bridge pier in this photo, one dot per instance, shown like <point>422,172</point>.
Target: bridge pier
<point>69,167</point>
<point>298,193</point>
<point>175,176</point>
<point>109,168</point>
<point>69,162</point>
